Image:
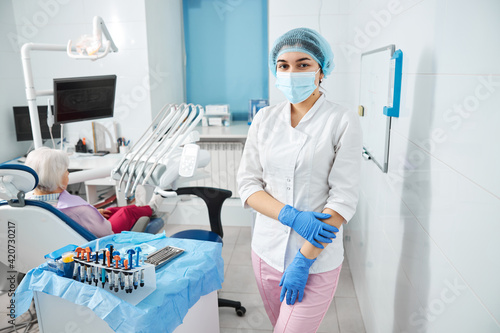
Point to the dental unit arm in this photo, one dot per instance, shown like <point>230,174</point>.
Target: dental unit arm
<point>156,157</point>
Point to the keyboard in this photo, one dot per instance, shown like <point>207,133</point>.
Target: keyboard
<point>163,256</point>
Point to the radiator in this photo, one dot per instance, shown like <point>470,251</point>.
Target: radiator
<point>223,167</point>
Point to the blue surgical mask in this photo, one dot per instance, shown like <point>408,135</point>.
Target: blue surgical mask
<point>297,87</point>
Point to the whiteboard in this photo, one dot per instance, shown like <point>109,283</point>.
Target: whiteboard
<point>375,92</point>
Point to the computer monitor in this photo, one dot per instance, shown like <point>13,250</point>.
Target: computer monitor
<point>84,98</point>
<point>22,123</point>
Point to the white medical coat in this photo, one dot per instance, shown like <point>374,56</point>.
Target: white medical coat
<point>314,166</point>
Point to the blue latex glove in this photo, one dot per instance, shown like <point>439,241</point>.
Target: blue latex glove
<point>308,226</point>
<point>294,279</point>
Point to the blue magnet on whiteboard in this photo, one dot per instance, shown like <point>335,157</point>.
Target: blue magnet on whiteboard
<point>392,110</point>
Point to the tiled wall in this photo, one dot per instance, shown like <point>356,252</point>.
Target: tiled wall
<point>422,247</point>
<point>166,56</point>
<point>11,83</point>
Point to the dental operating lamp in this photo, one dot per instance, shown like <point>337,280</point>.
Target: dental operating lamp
<point>96,49</point>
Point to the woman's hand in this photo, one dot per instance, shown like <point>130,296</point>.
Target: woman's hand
<point>309,250</point>
<point>308,225</point>
<point>105,213</point>
<point>294,279</point>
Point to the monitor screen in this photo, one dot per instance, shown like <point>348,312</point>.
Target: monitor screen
<point>22,123</point>
<point>84,98</point>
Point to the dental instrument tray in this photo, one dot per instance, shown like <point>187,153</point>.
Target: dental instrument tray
<point>124,272</point>
<point>163,256</point>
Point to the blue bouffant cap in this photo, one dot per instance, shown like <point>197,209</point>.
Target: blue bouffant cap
<point>303,40</point>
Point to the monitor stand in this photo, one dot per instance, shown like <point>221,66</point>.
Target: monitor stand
<point>103,140</point>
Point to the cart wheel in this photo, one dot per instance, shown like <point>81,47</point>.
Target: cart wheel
<point>241,311</point>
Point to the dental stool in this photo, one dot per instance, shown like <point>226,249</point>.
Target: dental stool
<point>213,198</point>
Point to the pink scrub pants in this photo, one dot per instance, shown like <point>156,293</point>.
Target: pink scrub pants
<point>302,317</point>
<point>124,218</point>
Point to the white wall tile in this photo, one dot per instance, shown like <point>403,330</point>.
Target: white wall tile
<point>7,12</point>
<point>335,87</point>
<point>467,38</point>
<point>407,266</point>
<point>453,211</point>
<point>11,85</point>
<point>38,14</point>
<point>128,35</point>
<point>338,7</point>
<point>334,29</point>
<point>453,117</point>
<point>376,271</point>
<point>115,10</point>
<point>293,7</point>
<point>369,30</point>
<point>166,54</point>
<point>278,25</point>
<point>8,37</point>
<point>11,65</point>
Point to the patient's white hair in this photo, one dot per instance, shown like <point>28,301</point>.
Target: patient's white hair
<point>50,165</point>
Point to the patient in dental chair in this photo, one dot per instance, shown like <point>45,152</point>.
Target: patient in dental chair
<point>51,165</point>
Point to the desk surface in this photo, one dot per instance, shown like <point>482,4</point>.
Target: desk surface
<point>237,130</point>
<point>179,285</point>
<point>81,161</point>
<point>89,161</point>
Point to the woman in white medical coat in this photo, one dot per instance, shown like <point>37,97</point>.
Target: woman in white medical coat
<point>300,172</point>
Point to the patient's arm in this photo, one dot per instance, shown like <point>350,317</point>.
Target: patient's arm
<point>105,213</point>
<point>89,218</point>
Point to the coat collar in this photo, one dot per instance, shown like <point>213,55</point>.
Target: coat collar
<point>286,114</point>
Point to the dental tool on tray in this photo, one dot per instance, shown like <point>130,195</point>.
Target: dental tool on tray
<point>163,256</point>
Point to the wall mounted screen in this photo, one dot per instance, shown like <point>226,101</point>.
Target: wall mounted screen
<point>22,123</point>
<point>84,98</point>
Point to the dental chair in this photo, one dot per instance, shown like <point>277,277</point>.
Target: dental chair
<point>32,228</point>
